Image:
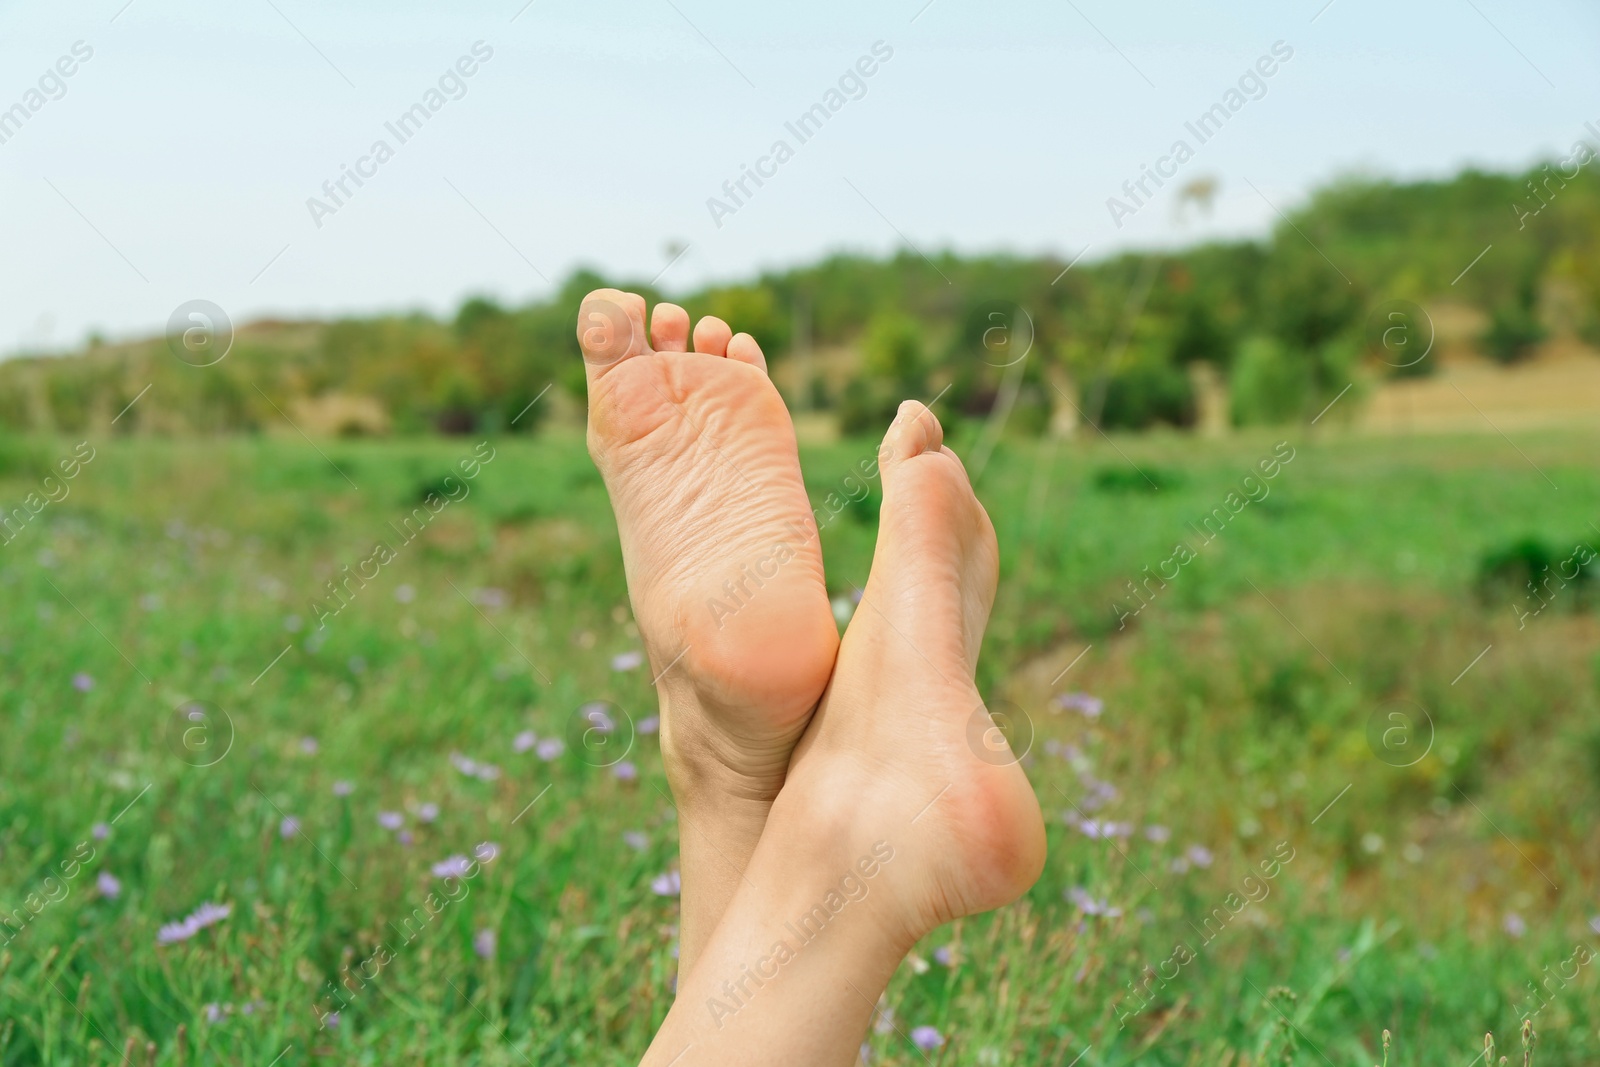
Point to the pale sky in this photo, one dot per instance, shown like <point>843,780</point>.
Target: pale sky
<point>176,162</point>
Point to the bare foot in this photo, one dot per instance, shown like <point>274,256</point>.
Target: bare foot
<point>902,749</point>
<point>901,811</point>
<point>723,564</point>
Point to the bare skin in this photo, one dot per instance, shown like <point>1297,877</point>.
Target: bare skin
<point>897,815</point>
<point>724,571</point>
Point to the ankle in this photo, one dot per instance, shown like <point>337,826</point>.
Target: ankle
<point>832,838</point>
<point>708,765</point>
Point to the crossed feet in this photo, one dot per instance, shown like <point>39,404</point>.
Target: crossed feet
<point>799,761</point>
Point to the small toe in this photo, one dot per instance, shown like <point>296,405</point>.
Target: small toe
<point>610,328</point>
<point>711,336</point>
<point>743,348</point>
<point>669,328</point>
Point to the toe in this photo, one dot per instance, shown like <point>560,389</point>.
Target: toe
<point>669,328</point>
<point>914,431</point>
<point>711,336</point>
<point>954,458</point>
<point>610,328</point>
<point>743,348</point>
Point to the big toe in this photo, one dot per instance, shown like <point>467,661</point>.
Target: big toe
<point>915,430</point>
<point>610,329</point>
<point>934,535</point>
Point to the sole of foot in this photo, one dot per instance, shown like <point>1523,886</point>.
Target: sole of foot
<point>902,756</point>
<point>718,539</point>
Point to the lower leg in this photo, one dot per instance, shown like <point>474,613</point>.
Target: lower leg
<point>794,969</point>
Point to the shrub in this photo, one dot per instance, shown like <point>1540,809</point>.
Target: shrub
<point>1129,480</point>
<point>1506,573</point>
<point>1269,385</point>
<point>1147,395</point>
<point>1513,331</point>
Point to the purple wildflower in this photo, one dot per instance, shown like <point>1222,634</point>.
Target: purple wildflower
<point>427,811</point>
<point>1088,706</point>
<point>1515,925</point>
<point>205,915</point>
<point>405,594</point>
<point>1594,924</point>
<point>926,1038</point>
<point>1100,794</point>
<point>483,943</point>
<point>550,748</point>
<point>491,597</point>
<point>391,820</point>
<point>100,831</point>
<point>1199,855</point>
<point>289,826</point>
<point>331,1020</point>
<point>1089,905</point>
<point>452,867</point>
<point>524,741</point>
<point>666,885</point>
<point>649,725</point>
<point>943,956</point>
<point>213,1012</point>
<point>625,771</point>
<point>108,885</point>
<point>82,682</point>
<point>472,768</point>
<point>342,788</point>
<point>638,841</point>
<point>308,745</point>
<point>1157,833</point>
<point>627,661</point>
<point>404,837</point>
<point>486,851</point>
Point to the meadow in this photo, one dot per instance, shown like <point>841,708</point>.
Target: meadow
<point>1307,784</point>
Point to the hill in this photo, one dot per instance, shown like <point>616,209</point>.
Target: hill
<point>1346,288</point>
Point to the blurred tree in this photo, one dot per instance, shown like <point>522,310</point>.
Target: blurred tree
<point>1514,326</point>
<point>1269,385</point>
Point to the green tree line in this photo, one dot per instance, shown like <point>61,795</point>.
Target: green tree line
<point>1286,321</point>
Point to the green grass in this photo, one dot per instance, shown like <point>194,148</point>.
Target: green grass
<point>1237,710</point>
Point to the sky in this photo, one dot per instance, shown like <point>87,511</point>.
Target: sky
<point>186,155</point>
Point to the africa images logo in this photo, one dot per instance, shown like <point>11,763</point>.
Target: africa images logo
<point>806,126</point>
<point>405,126</point>
<point>1252,85</point>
